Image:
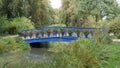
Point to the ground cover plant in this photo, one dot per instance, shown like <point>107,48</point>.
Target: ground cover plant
<point>9,44</point>
<point>83,53</point>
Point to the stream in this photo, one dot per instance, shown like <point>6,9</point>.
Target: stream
<point>41,54</point>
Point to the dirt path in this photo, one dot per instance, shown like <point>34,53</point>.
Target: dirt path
<point>116,40</point>
<point>15,36</point>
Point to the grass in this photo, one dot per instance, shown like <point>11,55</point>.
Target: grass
<point>86,54</point>
<point>114,60</point>
<point>21,60</point>
<point>57,25</point>
<point>82,53</point>
<point>9,44</point>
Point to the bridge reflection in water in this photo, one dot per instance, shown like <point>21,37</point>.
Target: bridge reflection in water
<point>57,33</point>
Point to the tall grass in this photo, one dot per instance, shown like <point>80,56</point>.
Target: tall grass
<point>9,44</point>
<point>21,60</point>
<point>114,60</point>
<point>83,53</point>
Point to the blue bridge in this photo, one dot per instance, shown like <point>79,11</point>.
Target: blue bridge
<point>58,33</point>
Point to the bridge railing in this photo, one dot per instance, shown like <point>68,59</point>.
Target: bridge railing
<point>50,32</point>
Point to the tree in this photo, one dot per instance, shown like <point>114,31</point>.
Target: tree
<point>39,11</point>
<point>76,12</point>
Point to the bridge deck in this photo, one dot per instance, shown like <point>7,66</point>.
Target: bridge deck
<point>54,39</point>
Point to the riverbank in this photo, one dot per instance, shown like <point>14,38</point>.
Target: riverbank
<point>84,52</point>
<point>11,44</point>
<point>81,53</point>
<point>21,60</point>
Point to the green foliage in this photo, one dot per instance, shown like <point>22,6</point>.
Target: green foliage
<point>62,30</point>
<point>48,31</point>
<point>57,25</point>
<point>86,32</point>
<point>104,38</point>
<point>40,12</point>
<point>9,44</point>
<point>11,8</point>
<point>16,25</point>
<point>86,53</point>
<point>70,31</point>
<point>77,31</point>
<point>83,53</point>
<point>115,27</point>
<point>114,60</point>
<point>78,12</point>
<point>56,16</point>
<point>18,60</point>
<point>22,44</point>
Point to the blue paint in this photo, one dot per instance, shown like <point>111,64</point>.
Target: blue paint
<point>59,36</point>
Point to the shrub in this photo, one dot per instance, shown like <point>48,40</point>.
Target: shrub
<point>42,32</point>
<point>86,31</point>
<point>78,31</point>
<point>103,38</point>
<point>62,30</point>
<point>16,25</point>
<point>8,44</point>
<point>48,31</point>
<point>70,31</point>
<point>96,32</point>
<point>82,53</point>
<point>55,30</point>
<point>115,27</point>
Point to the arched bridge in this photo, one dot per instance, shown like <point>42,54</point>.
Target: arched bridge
<point>57,33</point>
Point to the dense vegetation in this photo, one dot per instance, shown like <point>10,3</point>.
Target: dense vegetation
<point>88,12</point>
<point>9,44</point>
<point>115,27</point>
<point>97,52</point>
<point>39,11</point>
<point>72,13</point>
<point>15,25</point>
<point>78,54</point>
<point>86,54</point>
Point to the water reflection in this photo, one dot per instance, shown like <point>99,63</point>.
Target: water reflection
<point>41,53</point>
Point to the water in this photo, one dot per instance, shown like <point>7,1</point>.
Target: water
<point>40,53</point>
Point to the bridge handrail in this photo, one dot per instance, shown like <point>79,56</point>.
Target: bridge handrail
<point>85,30</point>
<point>65,27</point>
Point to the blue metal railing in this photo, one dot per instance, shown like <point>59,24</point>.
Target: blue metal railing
<point>56,33</point>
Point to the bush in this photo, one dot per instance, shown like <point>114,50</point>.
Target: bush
<point>16,25</point>
<point>115,28</point>
<point>82,53</point>
<point>8,44</point>
<point>103,38</point>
